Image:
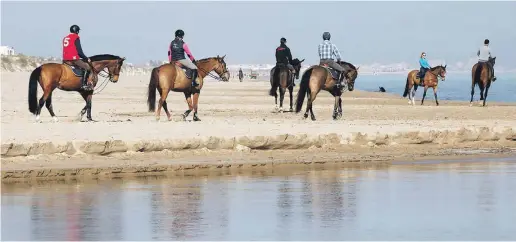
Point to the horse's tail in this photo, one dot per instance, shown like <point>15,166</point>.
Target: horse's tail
<point>303,89</point>
<point>33,90</point>
<point>275,82</point>
<point>406,88</point>
<point>151,92</point>
<point>478,71</point>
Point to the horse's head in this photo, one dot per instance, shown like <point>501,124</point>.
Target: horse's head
<point>440,71</point>
<point>216,64</point>
<point>351,75</point>
<point>113,64</point>
<point>492,60</point>
<point>296,63</point>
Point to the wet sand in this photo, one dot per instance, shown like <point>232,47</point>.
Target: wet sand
<point>238,120</point>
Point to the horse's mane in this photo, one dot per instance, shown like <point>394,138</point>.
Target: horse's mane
<point>347,63</point>
<point>206,59</point>
<point>104,57</point>
<point>435,67</point>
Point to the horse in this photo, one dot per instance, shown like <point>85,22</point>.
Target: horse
<point>430,80</point>
<point>177,78</point>
<point>322,77</point>
<point>283,79</point>
<point>68,78</point>
<point>483,76</point>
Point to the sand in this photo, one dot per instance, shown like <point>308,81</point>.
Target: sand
<point>236,118</point>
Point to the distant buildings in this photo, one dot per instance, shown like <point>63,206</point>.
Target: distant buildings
<point>7,50</point>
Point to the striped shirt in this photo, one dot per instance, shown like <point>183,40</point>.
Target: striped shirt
<point>327,50</point>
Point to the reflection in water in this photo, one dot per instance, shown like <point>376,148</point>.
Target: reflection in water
<point>472,201</point>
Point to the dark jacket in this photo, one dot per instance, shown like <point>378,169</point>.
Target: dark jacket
<point>283,54</point>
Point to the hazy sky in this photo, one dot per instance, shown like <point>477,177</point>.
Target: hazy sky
<point>248,32</point>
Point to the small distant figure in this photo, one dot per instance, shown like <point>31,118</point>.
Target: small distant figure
<point>240,74</point>
<point>382,89</point>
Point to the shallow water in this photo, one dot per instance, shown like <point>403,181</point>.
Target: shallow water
<point>431,200</point>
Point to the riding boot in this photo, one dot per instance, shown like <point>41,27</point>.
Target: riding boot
<point>194,77</point>
<point>84,81</point>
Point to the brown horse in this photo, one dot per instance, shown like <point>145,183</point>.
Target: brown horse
<point>317,78</point>
<point>430,80</point>
<point>56,75</point>
<point>284,79</point>
<point>483,76</point>
<point>171,77</point>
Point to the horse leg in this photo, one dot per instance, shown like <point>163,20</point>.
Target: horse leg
<point>47,91</point>
<point>163,103</point>
<point>195,105</point>
<point>413,95</point>
<point>335,107</point>
<point>290,90</point>
<point>435,95</point>
<point>50,109</point>
<point>485,95</point>
<point>472,93</point>
<point>282,97</point>
<point>424,95</point>
<point>188,98</point>
<point>313,95</point>
<point>88,105</point>
<point>340,108</point>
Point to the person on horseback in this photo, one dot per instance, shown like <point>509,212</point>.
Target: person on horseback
<point>327,51</point>
<point>284,57</point>
<point>176,52</point>
<point>73,55</point>
<point>484,53</point>
<point>424,67</point>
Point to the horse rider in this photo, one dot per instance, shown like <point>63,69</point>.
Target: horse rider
<point>176,52</point>
<point>484,53</point>
<point>327,51</point>
<point>423,67</point>
<point>284,57</point>
<point>73,55</point>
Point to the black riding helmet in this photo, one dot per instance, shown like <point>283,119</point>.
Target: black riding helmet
<point>74,29</point>
<point>326,36</point>
<point>180,33</point>
<point>283,40</point>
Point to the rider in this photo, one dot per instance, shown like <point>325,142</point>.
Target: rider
<point>327,51</point>
<point>73,55</point>
<point>176,52</point>
<point>424,67</point>
<point>284,57</point>
<point>484,53</point>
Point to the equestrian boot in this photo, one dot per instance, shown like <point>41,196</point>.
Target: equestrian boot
<point>194,77</point>
<point>84,81</point>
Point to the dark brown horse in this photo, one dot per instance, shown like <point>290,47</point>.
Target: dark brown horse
<point>171,77</point>
<point>283,79</point>
<point>483,76</point>
<point>430,80</point>
<point>56,75</point>
<point>317,78</point>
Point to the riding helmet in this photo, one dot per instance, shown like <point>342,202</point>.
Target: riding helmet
<point>283,40</point>
<point>180,33</point>
<point>326,36</point>
<point>74,29</point>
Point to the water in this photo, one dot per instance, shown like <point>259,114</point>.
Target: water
<point>427,201</point>
<point>457,86</point>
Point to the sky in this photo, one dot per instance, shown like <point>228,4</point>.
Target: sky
<point>248,32</point>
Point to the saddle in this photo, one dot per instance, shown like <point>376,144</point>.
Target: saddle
<point>285,67</point>
<point>188,71</point>
<point>335,74</point>
<point>77,71</point>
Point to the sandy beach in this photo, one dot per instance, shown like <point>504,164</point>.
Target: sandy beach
<point>238,120</point>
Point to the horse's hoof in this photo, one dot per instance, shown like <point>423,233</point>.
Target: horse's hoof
<point>169,118</point>
<point>157,118</point>
<point>281,110</point>
<point>313,119</point>
<point>56,119</point>
<point>291,110</point>
<point>196,119</point>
